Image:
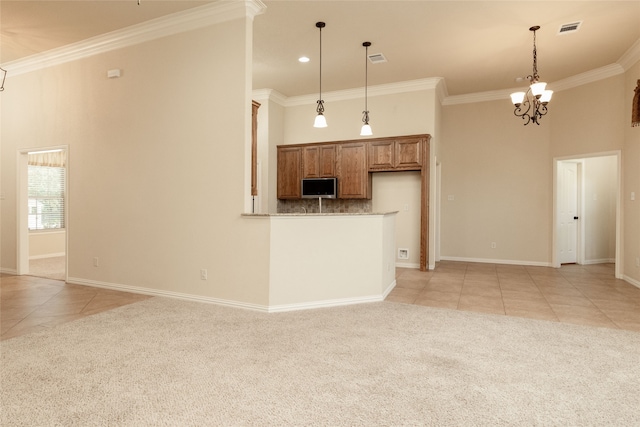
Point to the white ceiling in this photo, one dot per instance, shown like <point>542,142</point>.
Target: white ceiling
<point>476,46</point>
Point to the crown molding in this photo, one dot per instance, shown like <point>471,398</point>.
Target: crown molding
<point>588,77</point>
<point>379,90</point>
<point>263,95</point>
<point>631,56</point>
<point>472,98</point>
<point>564,84</point>
<point>188,20</point>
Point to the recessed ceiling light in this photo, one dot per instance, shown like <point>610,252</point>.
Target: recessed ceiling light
<point>303,59</point>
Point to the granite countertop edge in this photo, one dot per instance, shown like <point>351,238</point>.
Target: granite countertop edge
<point>318,214</point>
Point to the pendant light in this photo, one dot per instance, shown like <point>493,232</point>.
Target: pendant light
<point>320,121</point>
<point>366,128</point>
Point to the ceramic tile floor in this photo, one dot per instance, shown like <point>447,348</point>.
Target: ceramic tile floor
<point>587,295</point>
<point>580,294</point>
<point>30,304</point>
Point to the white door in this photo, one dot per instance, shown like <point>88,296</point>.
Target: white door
<point>568,212</point>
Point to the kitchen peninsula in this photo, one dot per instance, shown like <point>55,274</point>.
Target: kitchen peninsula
<point>319,260</point>
<point>353,163</point>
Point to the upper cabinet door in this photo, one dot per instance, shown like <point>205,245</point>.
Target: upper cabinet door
<point>319,161</point>
<point>327,162</point>
<point>408,153</point>
<point>311,162</point>
<point>381,155</point>
<point>354,180</point>
<point>289,172</point>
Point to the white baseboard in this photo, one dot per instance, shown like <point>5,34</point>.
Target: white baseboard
<point>497,261</point>
<point>231,303</point>
<point>168,294</point>
<point>389,289</point>
<point>54,255</point>
<point>634,282</point>
<point>324,304</point>
<point>407,265</point>
<point>599,261</point>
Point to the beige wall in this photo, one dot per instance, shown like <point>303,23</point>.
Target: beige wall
<point>47,244</point>
<point>496,185</point>
<point>391,115</point>
<point>400,191</point>
<point>158,163</point>
<point>581,126</point>
<point>631,180</point>
<point>600,197</point>
<point>328,260</point>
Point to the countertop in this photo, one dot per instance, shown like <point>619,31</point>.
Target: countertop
<point>318,214</point>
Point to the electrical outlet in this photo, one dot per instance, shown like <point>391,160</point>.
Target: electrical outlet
<point>406,207</point>
<point>638,261</point>
<point>203,274</point>
<point>493,245</point>
<point>403,253</point>
<point>96,262</point>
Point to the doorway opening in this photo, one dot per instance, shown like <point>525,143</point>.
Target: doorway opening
<point>586,211</point>
<point>42,212</point>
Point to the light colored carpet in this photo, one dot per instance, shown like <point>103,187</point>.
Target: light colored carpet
<point>165,362</point>
<point>50,268</point>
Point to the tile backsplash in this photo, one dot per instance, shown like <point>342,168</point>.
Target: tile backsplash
<point>328,206</point>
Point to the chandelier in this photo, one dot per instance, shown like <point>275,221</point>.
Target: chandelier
<point>532,104</point>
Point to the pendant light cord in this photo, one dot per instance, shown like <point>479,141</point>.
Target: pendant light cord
<point>366,74</point>
<point>320,107</point>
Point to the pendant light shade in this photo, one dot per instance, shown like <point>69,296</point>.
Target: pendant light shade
<point>366,128</point>
<point>320,121</point>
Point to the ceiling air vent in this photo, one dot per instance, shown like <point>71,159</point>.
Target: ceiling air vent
<point>377,58</point>
<point>570,28</point>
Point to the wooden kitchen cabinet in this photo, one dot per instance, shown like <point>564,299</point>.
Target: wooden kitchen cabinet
<point>289,172</point>
<point>395,155</point>
<point>381,155</point>
<point>408,153</point>
<point>319,161</point>
<point>354,180</point>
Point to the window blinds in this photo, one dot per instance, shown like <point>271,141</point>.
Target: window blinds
<point>46,194</point>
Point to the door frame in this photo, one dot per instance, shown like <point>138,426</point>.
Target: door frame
<point>555,258</point>
<point>22,221</point>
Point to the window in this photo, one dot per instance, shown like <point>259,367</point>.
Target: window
<point>46,194</point>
